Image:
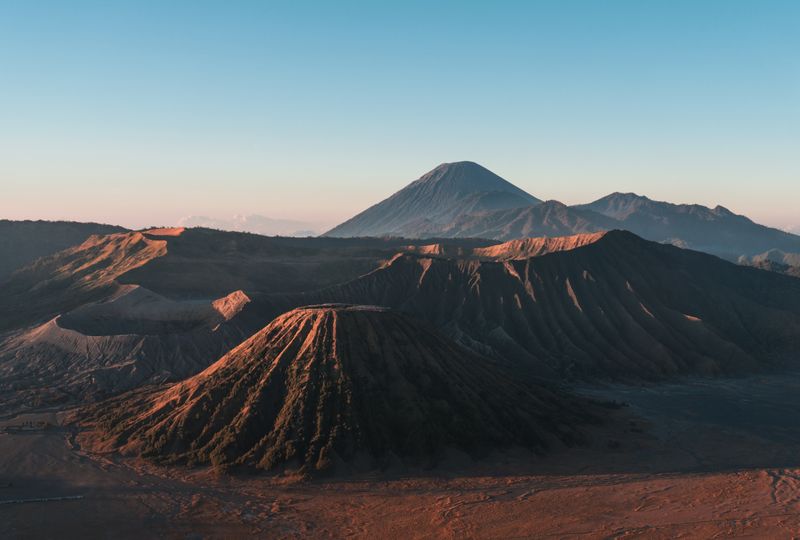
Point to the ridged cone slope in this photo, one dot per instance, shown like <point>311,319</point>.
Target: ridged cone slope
<point>329,384</point>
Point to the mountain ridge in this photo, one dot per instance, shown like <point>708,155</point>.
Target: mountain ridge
<point>451,214</point>
<point>447,191</point>
<point>618,308</point>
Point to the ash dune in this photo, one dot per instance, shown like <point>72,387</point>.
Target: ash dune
<point>324,386</point>
<point>619,307</point>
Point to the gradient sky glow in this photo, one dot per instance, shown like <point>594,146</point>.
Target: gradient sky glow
<point>141,112</point>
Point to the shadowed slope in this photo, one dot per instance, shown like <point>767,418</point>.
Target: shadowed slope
<point>322,385</point>
<point>186,264</point>
<point>620,307</point>
<point>524,248</point>
<point>774,266</point>
<point>22,242</point>
<point>438,197</point>
<point>73,277</point>
<point>713,230</point>
<point>550,218</point>
<point>100,349</point>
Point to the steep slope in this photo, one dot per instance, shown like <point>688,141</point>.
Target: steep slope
<point>73,277</point>
<point>136,337</point>
<point>206,263</point>
<point>550,218</point>
<point>536,247</point>
<point>324,385</point>
<point>186,264</point>
<point>713,230</point>
<point>513,249</point>
<point>22,242</point>
<point>128,309</point>
<point>620,307</point>
<point>448,191</point>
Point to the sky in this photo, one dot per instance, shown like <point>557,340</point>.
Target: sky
<point>140,113</point>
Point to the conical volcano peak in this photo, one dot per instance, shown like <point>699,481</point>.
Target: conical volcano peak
<point>331,384</point>
<point>468,177</point>
<point>437,197</point>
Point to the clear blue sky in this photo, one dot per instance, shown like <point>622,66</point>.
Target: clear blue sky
<point>142,112</point>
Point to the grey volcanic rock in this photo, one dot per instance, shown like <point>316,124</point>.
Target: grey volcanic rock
<point>437,198</point>
<point>330,384</point>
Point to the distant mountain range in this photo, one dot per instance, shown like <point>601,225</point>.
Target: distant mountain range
<point>775,260</point>
<point>444,194</point>
<point>460,200</point>
<point>254,224</point>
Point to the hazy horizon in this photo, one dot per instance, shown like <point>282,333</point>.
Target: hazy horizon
<point>320,223</point>
<point>142,114</point>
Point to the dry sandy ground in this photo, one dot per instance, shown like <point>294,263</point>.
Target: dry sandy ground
<point>708,464</point>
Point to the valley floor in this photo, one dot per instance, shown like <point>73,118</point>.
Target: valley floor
<point>699,459</point>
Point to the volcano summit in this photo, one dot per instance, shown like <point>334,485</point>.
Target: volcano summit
<point>328,384</point>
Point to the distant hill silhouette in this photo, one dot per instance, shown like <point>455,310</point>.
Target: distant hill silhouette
<point>464,200</point>
<point>22,242</point>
